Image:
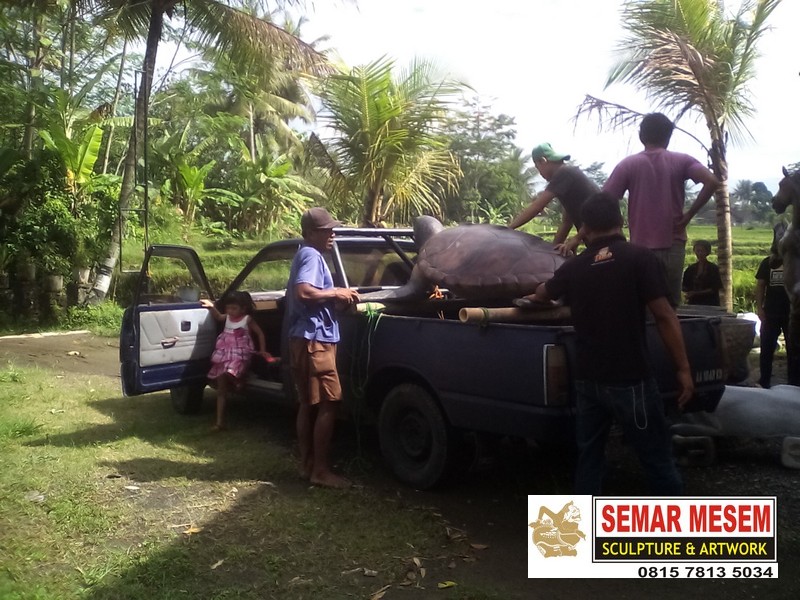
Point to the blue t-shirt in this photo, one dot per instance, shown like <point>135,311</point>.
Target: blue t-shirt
<point>315,320</point>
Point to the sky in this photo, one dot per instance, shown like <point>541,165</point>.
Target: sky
<point>536,60</point>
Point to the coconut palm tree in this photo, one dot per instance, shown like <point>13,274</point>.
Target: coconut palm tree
<point>692,58</point>
<point>381,144</point>
<point>246,39</point>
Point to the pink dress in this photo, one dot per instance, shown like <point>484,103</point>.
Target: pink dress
<point>233,350</point>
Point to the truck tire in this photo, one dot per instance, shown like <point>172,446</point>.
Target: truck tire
<point>415,437</point>
<point>187,400</point>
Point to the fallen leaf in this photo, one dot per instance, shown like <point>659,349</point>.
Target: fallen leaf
<point>422,572</point>
<point>478,546</point>
<point>451,564</point>
<point>443,585</point>
<point>377,595</point>
<point>218,563</point>
<point>56,411</point>
<point>133,488</point>
<point>411,576</point>
<point>73,353</point>
<point>351,571</point>
<point>193,529</point>
<point>405,583</point>
<point>267,483</point>
<point>370,573</point>
<point>34,496</point>
<point>417,562</point>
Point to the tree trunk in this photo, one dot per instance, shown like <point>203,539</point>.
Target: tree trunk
<point>103,276</point>
<point>114,105</point>
<point>719,164</point>
<point>252,140</point>
<point>34,88</point>
<point>373,206</point>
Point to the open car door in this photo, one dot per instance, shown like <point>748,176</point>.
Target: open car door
<point>167,336</point>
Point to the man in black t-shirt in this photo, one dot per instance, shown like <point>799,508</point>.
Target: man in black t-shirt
<point>566,182</point>
<point>772,307</point>
<point>608,287</point>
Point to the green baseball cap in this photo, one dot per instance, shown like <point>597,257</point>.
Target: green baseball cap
<point>545,150</point>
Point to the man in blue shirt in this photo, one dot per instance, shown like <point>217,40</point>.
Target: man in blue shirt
<point>313,332</point>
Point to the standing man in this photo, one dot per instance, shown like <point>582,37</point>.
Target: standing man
<point>313,332</point>
<point>655,180</point>
<point>566,182</point>
<point>772,307</point>
<point>608,287</point>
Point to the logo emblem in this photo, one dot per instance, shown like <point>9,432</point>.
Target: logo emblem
<point>557,533</point>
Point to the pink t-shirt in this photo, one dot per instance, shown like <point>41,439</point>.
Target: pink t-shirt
<point>655,182</point>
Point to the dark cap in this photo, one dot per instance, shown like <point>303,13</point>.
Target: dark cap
<point>317,218</point>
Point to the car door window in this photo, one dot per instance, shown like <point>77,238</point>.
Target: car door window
<point>266,276</point>
<point>169,280</point>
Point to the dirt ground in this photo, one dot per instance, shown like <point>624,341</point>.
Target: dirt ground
<point>489,504</point>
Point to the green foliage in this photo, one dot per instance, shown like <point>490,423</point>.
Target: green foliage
<point>79,157</point>
<point>43,227</point>
<point>495,183</point>
<point>18,429</point>
<point>382,152</point>
<point>102,319</point>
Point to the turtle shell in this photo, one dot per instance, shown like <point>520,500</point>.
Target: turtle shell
<point>487,261</point>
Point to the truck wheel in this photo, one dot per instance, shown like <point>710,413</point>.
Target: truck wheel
<point>415,438</point>
<point>187,400</point>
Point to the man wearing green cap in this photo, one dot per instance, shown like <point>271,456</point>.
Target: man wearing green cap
<point>566,182</point>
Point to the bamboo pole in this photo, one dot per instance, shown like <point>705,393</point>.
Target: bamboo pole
<point>512,314</point>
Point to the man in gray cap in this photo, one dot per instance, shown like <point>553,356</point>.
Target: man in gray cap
<point>566,182</point>
<point>313,333</point>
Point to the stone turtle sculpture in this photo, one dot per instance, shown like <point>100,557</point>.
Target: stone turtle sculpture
<point>482,262</point>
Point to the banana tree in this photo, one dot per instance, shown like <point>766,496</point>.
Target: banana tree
<point>270,193</point>
<point>79,157</point>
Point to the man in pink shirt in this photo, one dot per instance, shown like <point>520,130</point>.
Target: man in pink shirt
<point>655,181</point>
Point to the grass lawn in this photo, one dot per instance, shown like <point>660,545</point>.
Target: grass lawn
<point>106,497</point>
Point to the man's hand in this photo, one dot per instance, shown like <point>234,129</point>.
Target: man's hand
<point>568,247</point>
<point>686,386</point>
<point>682,223</point>
<point>346,295</point>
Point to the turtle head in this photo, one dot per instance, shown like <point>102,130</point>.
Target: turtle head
<point>425,227</point>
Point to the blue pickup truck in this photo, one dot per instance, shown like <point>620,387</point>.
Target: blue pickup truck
<point>416,371</point>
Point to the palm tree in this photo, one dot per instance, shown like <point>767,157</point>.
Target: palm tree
<point>689,57</point>
<point>382,147</point>
<point>246,39</point>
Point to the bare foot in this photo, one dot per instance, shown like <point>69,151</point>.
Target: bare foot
<point>306,468</point>
<point>331,480</point>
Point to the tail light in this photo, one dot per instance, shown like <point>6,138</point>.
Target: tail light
<point>556,375</point>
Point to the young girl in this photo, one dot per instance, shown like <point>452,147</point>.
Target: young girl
<point>234,347</point>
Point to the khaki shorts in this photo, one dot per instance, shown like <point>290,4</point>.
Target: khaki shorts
<point>313,368</point>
